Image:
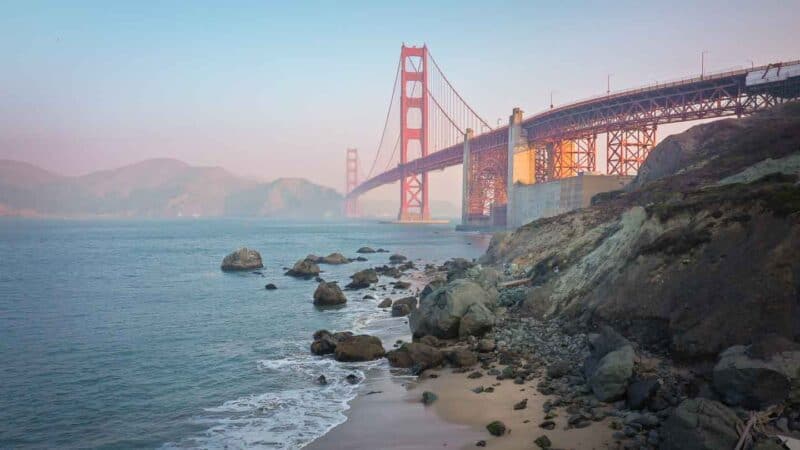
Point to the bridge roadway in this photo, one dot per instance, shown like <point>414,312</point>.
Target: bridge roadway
<point>732,93</point>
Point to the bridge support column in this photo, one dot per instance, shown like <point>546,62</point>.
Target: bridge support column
<point>574,156</point>
<point>351,181</point>
<point>515,137</point>
<point>627,149</point>
<point>467,179</point>
<point>540,164</point>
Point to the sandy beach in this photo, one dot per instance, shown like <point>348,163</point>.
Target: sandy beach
<point>396,418</point>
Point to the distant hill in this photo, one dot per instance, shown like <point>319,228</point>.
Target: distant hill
<point>158,188</point>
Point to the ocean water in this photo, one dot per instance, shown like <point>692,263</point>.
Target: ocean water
<point>125,334</point>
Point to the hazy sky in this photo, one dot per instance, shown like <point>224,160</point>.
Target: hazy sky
<point>272,89</point>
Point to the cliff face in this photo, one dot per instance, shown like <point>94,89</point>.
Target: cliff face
<point>699,253</point>
<point>158,188</point>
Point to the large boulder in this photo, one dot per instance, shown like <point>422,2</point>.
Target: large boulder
<point>439,314</point>
<point>457,268</point>
<point>242,259</point>
<point>433,285</point>
<point>755,381</point>
<point>404,306</point>
<point>329,294</point>
<point>700,424</point>
<point>364,250</point>
<point>609,382</point>
<point>476,321</point>
<point>305,268</point>
<point>363,279</point>
<point>358,348</point>
<point>415,355</point>
<point>461,357</point>
<point>397,258</point>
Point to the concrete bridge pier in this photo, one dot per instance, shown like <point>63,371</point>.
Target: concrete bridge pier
<point>516,140</point>
<point>466,167</point>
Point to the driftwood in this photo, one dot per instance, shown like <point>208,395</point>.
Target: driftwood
<point>513,283</point>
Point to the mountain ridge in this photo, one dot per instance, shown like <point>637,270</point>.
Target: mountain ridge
<point>161,187</point>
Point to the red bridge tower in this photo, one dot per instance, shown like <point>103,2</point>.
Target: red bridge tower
<point>351,181</point>
<point>413,131</point>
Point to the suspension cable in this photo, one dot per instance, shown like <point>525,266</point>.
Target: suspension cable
<point>386,122</point>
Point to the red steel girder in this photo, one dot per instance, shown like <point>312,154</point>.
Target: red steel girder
<point>627,149</point>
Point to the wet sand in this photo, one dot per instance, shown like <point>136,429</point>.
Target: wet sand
<point>396,419</point>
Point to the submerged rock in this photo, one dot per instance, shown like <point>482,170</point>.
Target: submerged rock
<point>363,279</point>
<point>329,294</point>
<point>397,258</point>
<point>385,303</point>
<point>242,259</point>
<point>333,258</point>
<point>364,250</point>
<point>304,268</point>
<point>270,287</point>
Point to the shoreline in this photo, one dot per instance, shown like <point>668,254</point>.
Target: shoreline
<point>387,411</point>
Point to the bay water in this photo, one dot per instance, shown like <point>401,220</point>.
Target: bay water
<point>126,334</point>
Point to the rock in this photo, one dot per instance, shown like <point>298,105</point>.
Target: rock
<point>475,374</point>
<point>433,285</point>
<point>352,378</point>
<point>543,442</point>
<point>333,258</point>
<point>381,250</point>
<point>457,268</point>
<point>385,303</point>
<point>439,314</point>
<point>358,348</point>
<point>403,306</point>
<point>547,425</point>
<point>397,258</point>
<point>242,259</point>
<point>270,287</point>
<point>742,380</point>
<point>609,380</point>
<point>521,405</point>
<point>369,297</point>
<point>558,369</point>
<point>304,269</point>
<point>477,321</point>
<point>486,345</point>
<point>480,444</point>
<point>428,397</point>
<point>365,250</point>
<point>402,285</point>
<point>700,424</point>
<point>461,357</point>
<point>433,341</point>
<point>329,294</point>
<point>325,341</point>
<point>363,279</point>
<point>321,380</point>
<point>361,259</point>
<point>496,428</point>
<point>415,355</point>
<point>640,392</point>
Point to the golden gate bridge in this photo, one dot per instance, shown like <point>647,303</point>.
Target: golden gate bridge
<point>429,126</point>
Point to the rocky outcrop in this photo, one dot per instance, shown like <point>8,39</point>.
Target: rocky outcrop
<point>365,250</point>
<point>440,313</point>
<point>700,424</point>
<point>325,341</point>
<point>742,377</point>
<point>358,348</point>
<point>404,306</point>
<point>304,268</point>
<point>363,279</point>
<point>329,294</point>
<point>416,356</point>
<point>242,259</point>
<point>684,261</point>
<point>433,285</point>
<point>397,258</point>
